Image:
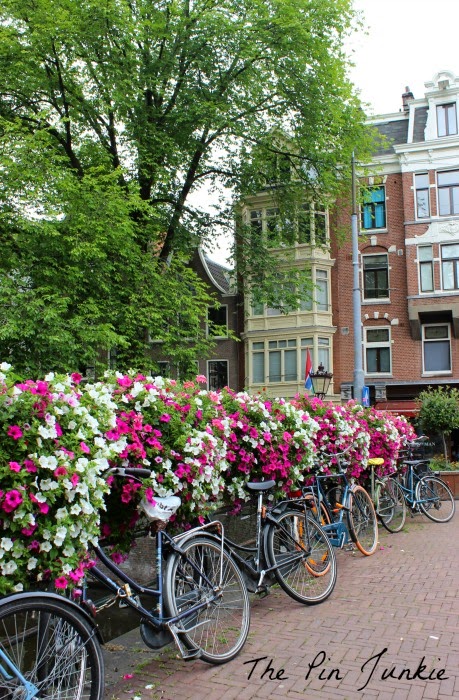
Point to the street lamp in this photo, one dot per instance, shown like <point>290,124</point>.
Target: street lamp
<point>320,381</point>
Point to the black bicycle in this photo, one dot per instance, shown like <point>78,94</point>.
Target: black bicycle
<point>289,548</point>
<point>199,599</point>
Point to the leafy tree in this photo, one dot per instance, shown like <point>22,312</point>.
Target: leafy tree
<point>439,412</point>
<point>115,117</point>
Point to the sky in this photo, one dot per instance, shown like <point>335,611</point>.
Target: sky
<point>405,44</point>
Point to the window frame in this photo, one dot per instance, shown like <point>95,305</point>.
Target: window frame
<point>418,189</point>
<point>208,330</point>
<point>426,263</point>
<point>450,187</point>
<point>431,341</point>
<point>370,208</point>
<point>209,382</point>
<point>376,287</point>
<point>455,268</point>
<point>378,345</point>
<point>446,120</point>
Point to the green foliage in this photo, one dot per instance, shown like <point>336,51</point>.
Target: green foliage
<point>114,116</point>
<point>439,411</point>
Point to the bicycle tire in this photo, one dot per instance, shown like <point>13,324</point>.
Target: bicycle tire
<point>219,629</point>
<point>441,506</point>
<point>391,506</point>
<point>310,579</point>
<point>361,519</point>
<point>53,646</point>
<point>324,518</point>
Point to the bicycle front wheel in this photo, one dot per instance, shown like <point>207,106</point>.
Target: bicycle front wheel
<point>204,573</point>
<point>52,646</point>
<point>304,556</point>
<point>391,505</point>
<point>435,499</point>
<point>362,523</point>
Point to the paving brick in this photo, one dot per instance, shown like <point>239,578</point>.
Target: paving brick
<point>402,604</point>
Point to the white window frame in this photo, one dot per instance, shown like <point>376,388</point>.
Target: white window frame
<point>455,262</point>
<point>368,345</point>
<point>445,107</point>
<point>431,372</point>
<point>421,188</point>
<point>427,262</point>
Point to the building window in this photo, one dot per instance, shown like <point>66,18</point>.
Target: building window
<point>436,347</point>
<point>376,276</point>
<point>282,360</point>
<point>446,119</point>
<point>323,352</point>
<point>450,266</point>
<point>377,351</point>
<point>217,371</point>
<point>374,208</point>
<point>421,184</point>
<point>258,362</point>
<point>448,192</point>
<point>312,225</point>
<point>217,322</point>
<point>426,278</point>
<point>164,369</point>
<point>322,290</point>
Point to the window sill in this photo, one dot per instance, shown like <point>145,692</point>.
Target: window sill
<point>372,302</point>
<point>366,231</point>
<point>439,373</point>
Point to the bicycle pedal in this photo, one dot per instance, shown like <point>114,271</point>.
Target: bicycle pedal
<point>262,591</point>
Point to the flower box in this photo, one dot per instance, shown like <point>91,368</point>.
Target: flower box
<point>452,479</point>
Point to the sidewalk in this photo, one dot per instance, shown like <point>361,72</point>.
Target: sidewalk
<point>390,630</point>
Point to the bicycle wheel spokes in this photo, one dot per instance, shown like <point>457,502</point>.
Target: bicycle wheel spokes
<point>306,559</point>
<point>392,506</point>
<point>55,651</point>
<point>362,523</point>
<point>435,499</point>
<point>206,574</point>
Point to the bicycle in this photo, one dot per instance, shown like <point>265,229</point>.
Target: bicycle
<point>388,499</point>
<point>290,548</point>
<point>200,598</point>
<point>49,648</point>
<point>426,493</point>
<point>346,511</point>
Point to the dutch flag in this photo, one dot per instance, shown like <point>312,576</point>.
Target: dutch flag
<point>307,371</point>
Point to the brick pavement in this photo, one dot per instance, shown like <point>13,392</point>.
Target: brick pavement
<point>400,605</point>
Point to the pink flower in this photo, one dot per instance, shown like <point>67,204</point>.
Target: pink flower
<point>15,432</point>
<point>15,467</point>
<point>28,531</point>
<point>43,508</point>
<point>201,379</point>
<point>76,378</point>
<point>165,418</point>
<point>84,447</point>
<point>74,479</point>
<point>30,466</point>
<point>60,471</point>
<point>124,381</point>
<point>13,499</point>
<point>61,582</point>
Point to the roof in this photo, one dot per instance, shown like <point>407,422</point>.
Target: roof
<point>220,275</point>
<point>396,133</point>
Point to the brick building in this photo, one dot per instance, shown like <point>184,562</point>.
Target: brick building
<point>408,254</point>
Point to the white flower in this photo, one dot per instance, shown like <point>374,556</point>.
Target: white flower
<point>47,462</point>
<point>32,563</point>
<point>6,543</point>
<point>8,568</point>
<point>46,547</point>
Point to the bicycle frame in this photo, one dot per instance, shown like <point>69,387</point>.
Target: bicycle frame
<point>265,517</point>
<point>9,671</point>
<point>410,481</point>
<point>337,531</point>
<point>131,589</point>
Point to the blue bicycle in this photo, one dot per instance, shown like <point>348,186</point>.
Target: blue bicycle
<point>49,649</point>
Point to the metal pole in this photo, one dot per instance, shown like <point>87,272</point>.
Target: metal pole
<point>356,298</point>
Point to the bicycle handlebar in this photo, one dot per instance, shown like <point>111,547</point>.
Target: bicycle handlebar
<point>130,471</point>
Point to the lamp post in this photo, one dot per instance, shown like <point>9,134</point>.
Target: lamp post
<point>320,381</point>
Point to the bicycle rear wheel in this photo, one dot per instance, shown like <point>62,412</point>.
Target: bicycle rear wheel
<point>391,505</point>
<point>435,499</point>
<point>362,523</point>
<point>307,570</point>
<point>53,646</point>
<point>219,629</point>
